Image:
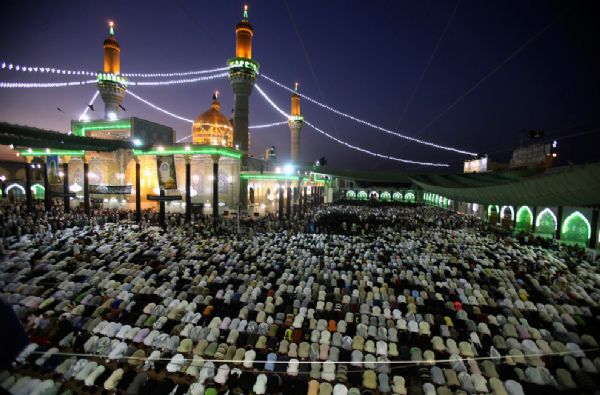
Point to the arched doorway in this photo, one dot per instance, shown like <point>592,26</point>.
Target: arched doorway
<point>493,214</point>
<point>362,195</point>
<point>545,224</point>
<point>507,216</point>
<point>350,195</point>
<point>38,191</point>
<point>409,197</point>
<point>386,196</point>
<point>576,229</point>
<point>524,220</point>
<point>397,196</point>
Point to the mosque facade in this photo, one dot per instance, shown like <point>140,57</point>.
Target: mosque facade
<point>159,165</point>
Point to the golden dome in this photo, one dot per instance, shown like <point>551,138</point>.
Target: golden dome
<point>212,127</point>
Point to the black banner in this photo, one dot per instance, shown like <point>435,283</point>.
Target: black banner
<point>157,198</point>
<point>110,189</point>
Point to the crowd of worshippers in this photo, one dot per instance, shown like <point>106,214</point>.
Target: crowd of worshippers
<point>423,301</point>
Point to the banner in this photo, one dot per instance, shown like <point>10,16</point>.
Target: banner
<point>223,183</point>
<point>52,168</point>
<point>110,189</point>
<point>166,172</point>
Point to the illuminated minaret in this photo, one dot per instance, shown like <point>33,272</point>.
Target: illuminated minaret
<point>111,84</point>
<point>242,75</point>
<point>295,122</point>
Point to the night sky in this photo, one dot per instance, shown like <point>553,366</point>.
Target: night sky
<point>366,58</point>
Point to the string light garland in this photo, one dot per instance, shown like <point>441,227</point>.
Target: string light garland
<point>159,108</point>
<point>53,70</point>
<point>354,147</point>
<point>45,70</point>
<point>84,115</point>
<point>180,81</point>
<point>263,126</point>
<point>44,84</point>
<point>178,74</point>
<point>369,124</point>
<point>135,96</point>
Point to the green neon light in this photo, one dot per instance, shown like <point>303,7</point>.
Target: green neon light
<point>296,118</point>
<point>350,195</point>
<point>397,197</point>
<point>362,195</point>
<point>576,228</point>
<point>81,129</point>
<point>524,219</point>
<point>409,197</point>
<point>60,152</point>
<point>243,63</point>
<point>490,207</point>
<point>191,151</point>
<point>279,177</point>
<point>524,214</point>
<point>110,77</point>
<point>545,223</point>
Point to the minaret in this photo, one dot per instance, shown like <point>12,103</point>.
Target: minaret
<point>111,84</point>
<point>295,122</point>
<point>242,76</point>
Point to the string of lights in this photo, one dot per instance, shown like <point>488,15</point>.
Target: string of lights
<point>159,108</point>
<point>354,147</point>
<point>53,70</point>
<point>369,124</point>
<point>44,84</point>
<point>267,125</point>
<point>41,69</point>
<point>180,81</point>
<point>84,116</point>
<point>178,74</point>
<point>264,126</point>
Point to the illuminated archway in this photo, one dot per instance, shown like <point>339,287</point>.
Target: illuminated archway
<point>16,187</point>
<point>524,220</point>
<point>38,191</point>
<point>512,212</point>
<point>397,196</point>
<point>495,208</point>
<point>409,197</point>
<point>374,195</point>
<point>576,229</point>
<point>362,195</point>
<point>385,196</point>
<point>546,223</point>
<point>350,195</point>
